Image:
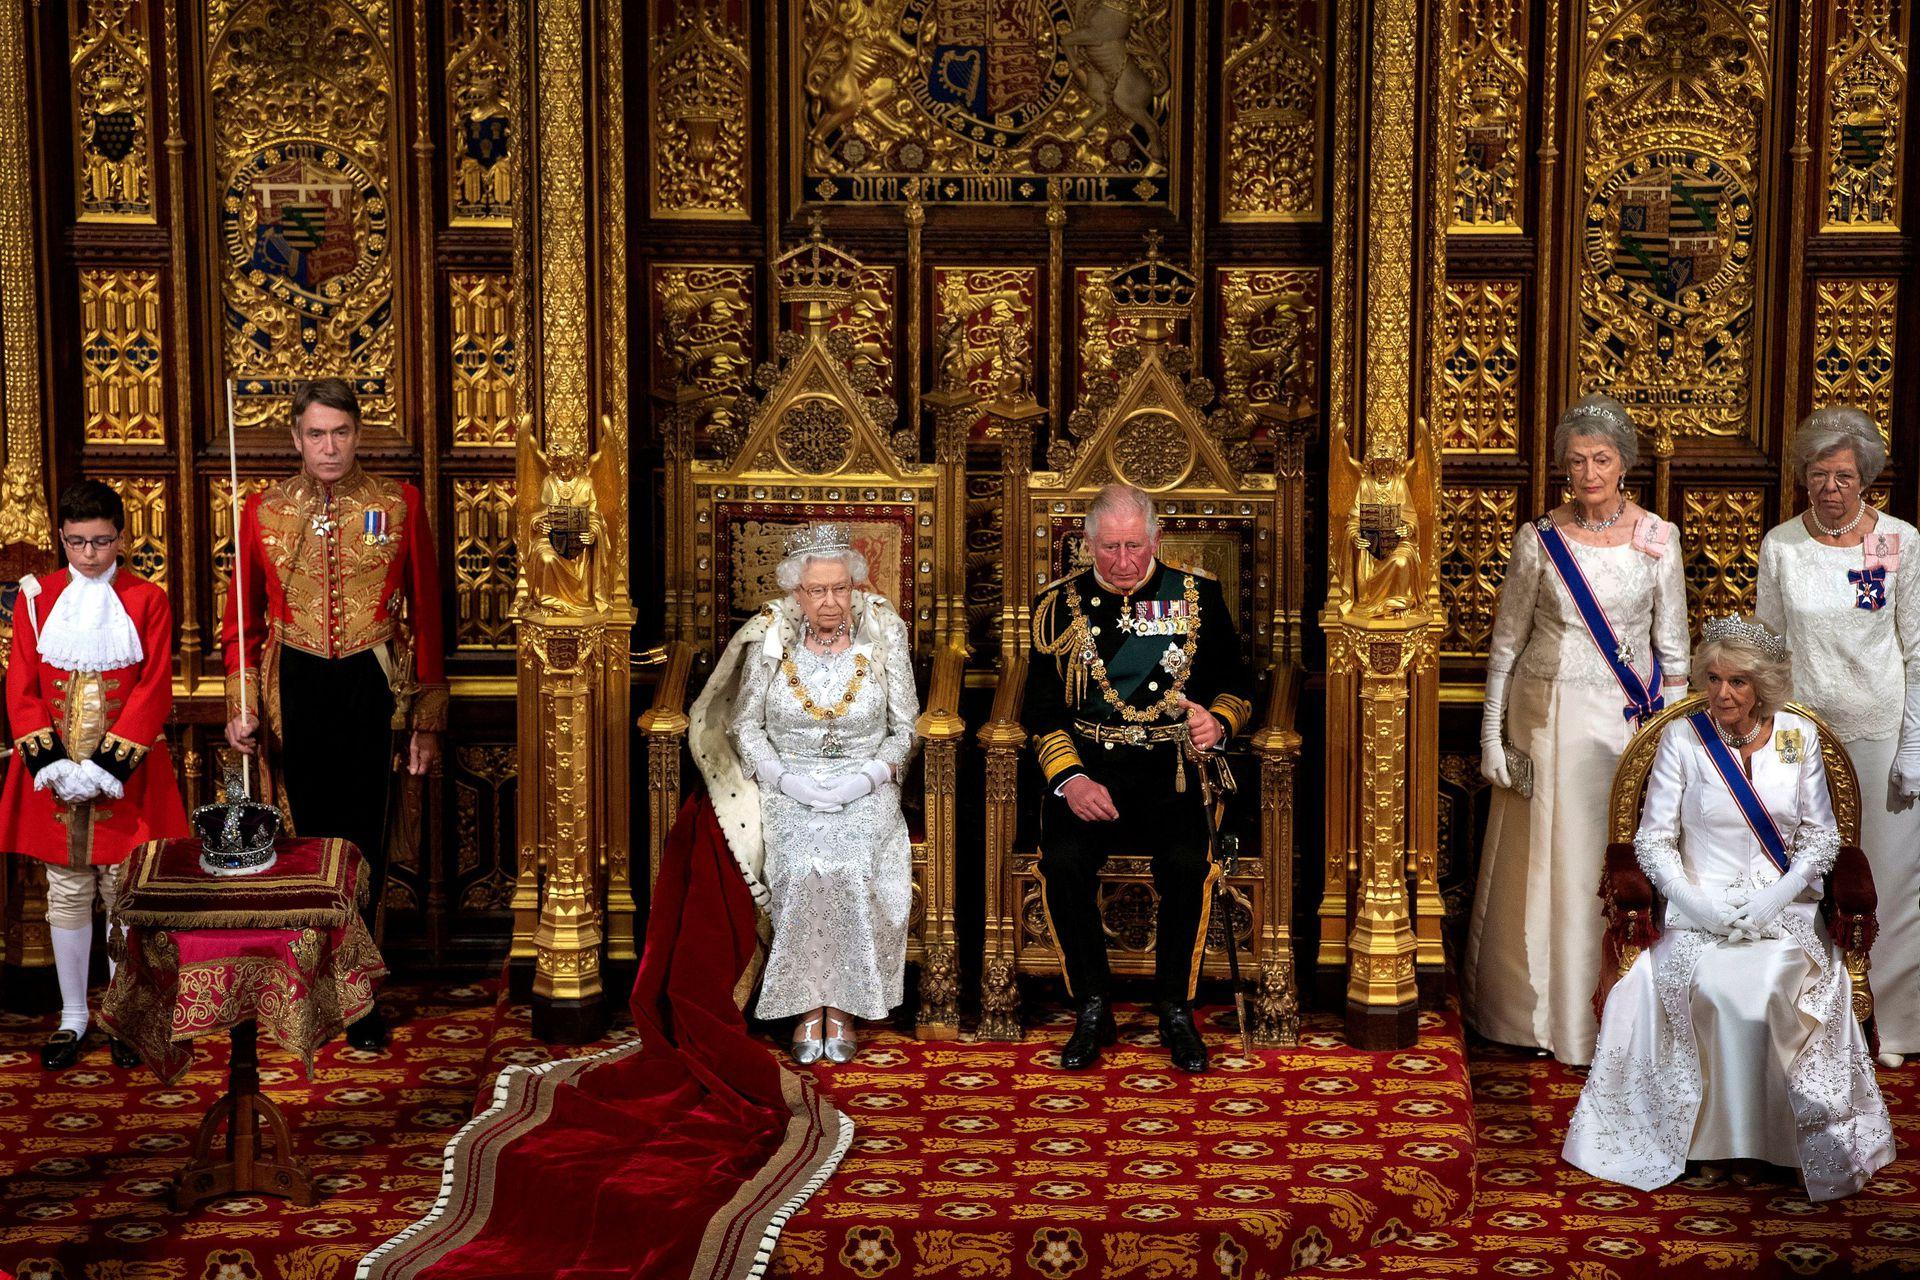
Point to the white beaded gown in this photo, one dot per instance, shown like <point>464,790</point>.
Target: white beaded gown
<point>1851,665</point>
<point>1533,941</point>
<point>841,883</point>
<point>1718,1050</point>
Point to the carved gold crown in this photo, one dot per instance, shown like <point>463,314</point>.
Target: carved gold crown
<point>819,539</point>
<point>1152,288</point>
<point>818,272</point>
<point>1754,635</point>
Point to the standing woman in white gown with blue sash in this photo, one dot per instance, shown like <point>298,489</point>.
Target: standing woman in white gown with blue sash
<point>1733,1036</point>
<point>1590,632</point>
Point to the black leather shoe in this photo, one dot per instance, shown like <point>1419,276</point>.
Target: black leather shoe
<point>123,1055</point>
<point>61,1050</point>
<point>1093,1030</point>
<point>1182,1038</point>
<point>369,1032</point>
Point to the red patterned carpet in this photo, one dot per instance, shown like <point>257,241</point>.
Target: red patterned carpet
<point>971,1161</point>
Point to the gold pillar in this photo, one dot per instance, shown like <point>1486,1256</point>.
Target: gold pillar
<point>572,604</point>
<point>1383,483</point>
<point>23,498</point>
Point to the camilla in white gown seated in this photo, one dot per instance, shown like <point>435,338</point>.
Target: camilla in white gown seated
<point>1733,1036</point>
<point>802,733</point>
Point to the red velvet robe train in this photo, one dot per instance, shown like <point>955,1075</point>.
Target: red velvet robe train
<point>679,1155</point>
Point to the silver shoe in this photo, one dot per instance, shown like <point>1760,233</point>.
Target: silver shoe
<point>807,1050</point>
<point>841,1048</point>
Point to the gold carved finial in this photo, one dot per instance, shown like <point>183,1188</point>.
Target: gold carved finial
<point>819,275</point>
<point>1153,292</point>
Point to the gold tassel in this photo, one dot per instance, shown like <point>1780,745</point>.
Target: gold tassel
<point>1179,770</point>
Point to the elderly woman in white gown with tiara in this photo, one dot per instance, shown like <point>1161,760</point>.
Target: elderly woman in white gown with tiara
<point>802,734</point>
<point>1733,1036</point>
<point>1833,582</point>
<point>1590,631</point>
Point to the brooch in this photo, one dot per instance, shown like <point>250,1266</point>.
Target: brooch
<point>1789,746</point>
<point>1175,661</point>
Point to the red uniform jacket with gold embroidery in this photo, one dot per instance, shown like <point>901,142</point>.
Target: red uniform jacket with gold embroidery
<point>334,570</point>
<point>115,718</point>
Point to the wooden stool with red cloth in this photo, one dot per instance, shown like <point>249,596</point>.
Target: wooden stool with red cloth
<point>283,950</point>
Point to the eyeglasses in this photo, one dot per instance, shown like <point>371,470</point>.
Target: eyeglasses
<point>818,593</point>
<point>98,544</point>
<point>1840,480</point>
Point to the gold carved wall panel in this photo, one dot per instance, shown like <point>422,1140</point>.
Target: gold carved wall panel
<point>1675,102</point>
<point>1478,352</point>
<point>146,532</point>
<point>1720,531</point>
<point>483,361</point>
<point>988,100</point>
<point>482,131</point>
<point>1274,62</point>
<point>110,63</point>
<point>1490,116</point>
<point>1476,540</point>
<point>1866,80</point>
<point>122,373</point>
<point>301,99</point>
<point>1853,346</point>
<point>485,781</point>
<point>485,563</point>
<point>986,322</point>
<point>698,75</point>
<point>1269,322</point>
<point>220,531</point>
<point>703,332</point>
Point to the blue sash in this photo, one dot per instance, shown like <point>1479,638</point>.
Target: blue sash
<point>1643,696</point>
<point>1741,786</point>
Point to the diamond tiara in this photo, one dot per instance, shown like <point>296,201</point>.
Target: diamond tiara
<point>1601,411</point>
<point>1752,634</point>
<point>819,539</point>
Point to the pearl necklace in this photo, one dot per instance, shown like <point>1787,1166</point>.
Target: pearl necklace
<point>1731,740</point>
<point>1859,514</point>
<point>1600,526</point>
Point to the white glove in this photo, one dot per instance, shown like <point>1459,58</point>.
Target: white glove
<point>807,791</point>
<point>98,781</point>
<point>767,771</point>
<point>1699,910</point>
<point>58,775</point>
<point>1757,915</point>
<point>1905,775</point>
<point>849,787</point>
<point>1493,719</point>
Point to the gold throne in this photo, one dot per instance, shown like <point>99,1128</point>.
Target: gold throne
<point>814,440</point>
<point>1146,424</point>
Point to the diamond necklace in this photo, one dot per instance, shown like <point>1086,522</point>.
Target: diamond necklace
<point>1597,526</point>
<point>1732,741</point>
<point>1859,513</point>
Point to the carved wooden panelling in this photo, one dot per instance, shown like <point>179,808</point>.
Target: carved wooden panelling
<point>1866,77</point>
<point>483,361</point>
<point>1854,338</point>
<point>987,322</point>
<point>1720,530</point>
<point>110,63</point>
<point>1270,337</point>
<point>1478,410</point>
<point>1271,105</point>
<point>220,540</point>
<point>1490,115</point>
<point>484,563</point>
<point>145,537</point>
<point>1476,540</point>
<point>483,134</point>
<point>122,373</point>
<point>698,76</point>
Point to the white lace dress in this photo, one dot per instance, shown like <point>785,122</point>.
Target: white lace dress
<point>1533,942</point>
<point>1852,665</point>
<point>841,883</point>
<point>1718,1050</point>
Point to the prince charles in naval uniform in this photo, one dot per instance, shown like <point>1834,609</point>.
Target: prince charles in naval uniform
<point>1128,658</point>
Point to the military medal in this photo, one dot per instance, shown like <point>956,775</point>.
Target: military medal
<point>374,526</point>
<point>1175,661</point>
<point>322,526</point>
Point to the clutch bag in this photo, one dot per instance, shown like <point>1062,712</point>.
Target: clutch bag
<point>1520,769</point>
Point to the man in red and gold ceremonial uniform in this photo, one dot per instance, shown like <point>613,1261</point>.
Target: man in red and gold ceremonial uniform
<point>341,585</point>
<point>89,688</point>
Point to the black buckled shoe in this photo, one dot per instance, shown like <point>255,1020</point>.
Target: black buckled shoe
<point>1093,1030</point>
<point>368,1033</point>
<point>124,1056</point>
<point>61,1050</point>
<point>1182,1038</point>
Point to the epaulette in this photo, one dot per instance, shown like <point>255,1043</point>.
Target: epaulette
<point>1058,582</point>
<point>1195,570</point>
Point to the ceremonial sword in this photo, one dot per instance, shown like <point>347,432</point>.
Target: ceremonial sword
<point>1225,851</point>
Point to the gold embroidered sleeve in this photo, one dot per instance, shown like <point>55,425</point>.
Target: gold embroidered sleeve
<point>1233,710</point>
<point>429,714</point>
<point>250,680</point>
<point>1057,754</point>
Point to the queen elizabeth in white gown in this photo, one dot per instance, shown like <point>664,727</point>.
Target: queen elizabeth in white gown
<point>1733,1037</point>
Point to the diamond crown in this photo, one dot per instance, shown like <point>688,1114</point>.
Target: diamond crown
<point>1752,634</point>
<point>819,539</point>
